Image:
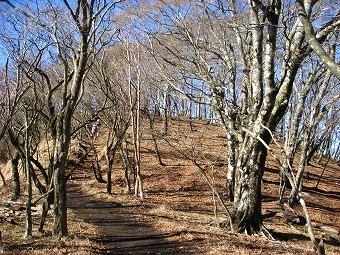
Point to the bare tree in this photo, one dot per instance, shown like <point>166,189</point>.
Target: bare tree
<point>74,32</point>
<point>313,40</point>
<point>319,108</point>
<point>134,81</point>
<point>108,80</point>
<point>234,52</point>
<point>29,121</point>
<point>15,176</point>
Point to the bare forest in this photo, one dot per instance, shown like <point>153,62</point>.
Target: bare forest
<point>169,127</point>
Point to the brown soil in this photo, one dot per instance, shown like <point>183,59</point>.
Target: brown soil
<point>179,215</point>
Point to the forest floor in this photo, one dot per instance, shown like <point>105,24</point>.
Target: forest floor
<point>180,214</point>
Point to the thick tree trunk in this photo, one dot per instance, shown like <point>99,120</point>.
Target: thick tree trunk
<point>60,209</point>
<point>252,154</point>
<point>60,193</point>
<point>247,201</point>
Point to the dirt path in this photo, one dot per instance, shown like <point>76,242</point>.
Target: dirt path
<point>176,217</point>
<point>120,230</point>
<point>178,214</point>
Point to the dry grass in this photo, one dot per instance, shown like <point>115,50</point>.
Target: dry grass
<point>178,201</point>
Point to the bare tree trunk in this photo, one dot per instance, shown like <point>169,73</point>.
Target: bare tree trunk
<point>126,164</point>
<point>314,118</point>
<point>303,7</point>
<point>323,170</point>
<point>252,151</point>
<point>247,200</point>
<point>216,193</point>
<point>154,139</point>
<point>109,160</point>
<point>166,110</point>
<point>45,209</point>
<point>96,166</point>
<point>136,139</point>
<point>231,166</point>
<point>314,148</point>
<point>28,233</point>
<point>299,175</point>
<point>60,194</point>
<point>3,179</point>
<point>110,157</point>
<point>318,248</point>
<point>15,177</point>
<point>135,116</point>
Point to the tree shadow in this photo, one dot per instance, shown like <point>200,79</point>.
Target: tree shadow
<point>283,236</point>
<point>320,192</point>
<point>121,231</point>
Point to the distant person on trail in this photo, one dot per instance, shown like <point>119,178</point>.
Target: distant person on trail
<point>95,129</point>
<point>98,123</point>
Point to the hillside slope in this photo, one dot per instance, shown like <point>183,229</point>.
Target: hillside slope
<point>180,215</point>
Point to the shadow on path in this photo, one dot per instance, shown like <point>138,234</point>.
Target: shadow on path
<point>120,231</point>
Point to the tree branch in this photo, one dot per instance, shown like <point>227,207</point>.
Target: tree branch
<point>313,42</point>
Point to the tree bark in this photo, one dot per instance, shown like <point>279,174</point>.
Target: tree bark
<point>247,201</point>
<point>126,164</point>
<point>28,233</point>
<point>15,177</point>
<point>312,40</point>
<point>166,110</point>
<point>60,228</point>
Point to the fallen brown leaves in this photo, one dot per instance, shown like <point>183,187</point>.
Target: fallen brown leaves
<point>178,201</point>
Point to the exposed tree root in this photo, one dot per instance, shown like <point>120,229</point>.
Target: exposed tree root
<point>260,230</point>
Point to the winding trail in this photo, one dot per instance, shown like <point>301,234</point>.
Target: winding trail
<point>121,229</point>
